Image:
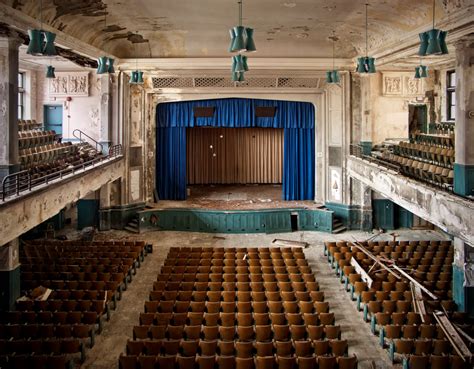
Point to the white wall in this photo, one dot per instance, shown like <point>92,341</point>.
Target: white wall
<point>80,113</point>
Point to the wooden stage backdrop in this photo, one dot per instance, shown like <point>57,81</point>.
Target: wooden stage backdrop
<point>234,155</point>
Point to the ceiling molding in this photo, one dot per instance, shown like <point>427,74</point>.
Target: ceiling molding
<point>458,24</point>
<point>307,64</point>
<point>22,22</point>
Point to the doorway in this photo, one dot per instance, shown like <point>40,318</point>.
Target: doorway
<point>417,119</point>
<point>53,118</point>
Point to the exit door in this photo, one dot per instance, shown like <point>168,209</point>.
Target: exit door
<point>53,118</point>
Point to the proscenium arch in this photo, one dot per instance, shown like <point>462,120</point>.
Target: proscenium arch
<point>297,118</point>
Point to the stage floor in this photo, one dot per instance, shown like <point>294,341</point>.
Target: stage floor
<point>235,197</point>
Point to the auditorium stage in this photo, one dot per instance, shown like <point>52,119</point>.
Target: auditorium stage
<point>235,209</point>
<point>235,197</point>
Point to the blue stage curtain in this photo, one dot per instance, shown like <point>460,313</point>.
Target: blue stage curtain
<point>235,112</point>
<point>298,164</point>
<point>297,118</point>
<point>171,163</point>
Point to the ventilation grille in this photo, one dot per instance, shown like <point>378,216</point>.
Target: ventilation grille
<point>298,82</point>
<point>213,82</point>
<point>226,82</point>
<point>172,82</point>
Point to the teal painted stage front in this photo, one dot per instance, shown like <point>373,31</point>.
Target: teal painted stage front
<point>236,221</point>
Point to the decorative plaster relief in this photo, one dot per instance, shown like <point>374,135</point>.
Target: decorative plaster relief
<point>392,85</point>
<point>69,84</point>
<point>402,84</point>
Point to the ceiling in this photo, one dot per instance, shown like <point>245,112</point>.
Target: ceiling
<point>199,28</point>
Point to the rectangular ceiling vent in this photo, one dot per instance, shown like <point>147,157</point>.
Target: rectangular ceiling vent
<point>172,82</point>
<point>213,82</point>
<point>290,82</point>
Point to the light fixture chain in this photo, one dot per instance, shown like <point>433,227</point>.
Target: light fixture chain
<point>41,15</point>
<point>366,30</point>
<point>434,10</point>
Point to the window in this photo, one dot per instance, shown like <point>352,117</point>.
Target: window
<point>451,95</point>
<point>21,95</point>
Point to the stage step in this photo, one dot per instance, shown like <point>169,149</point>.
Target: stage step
<point>132,226</point>
<point>337,226</point>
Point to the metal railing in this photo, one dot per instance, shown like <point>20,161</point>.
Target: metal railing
<point>17,183</point>
<point>80,134</point>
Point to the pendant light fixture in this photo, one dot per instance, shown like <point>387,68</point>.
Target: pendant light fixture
<point>421,71</point>
<point>332,76</point>
<point>136,76</point>
<point>241,40</point>
<point>433,42</point>
<point>50,72</point>
<point>104,63</point>
<point>41,42</point>
<point>366,64</point>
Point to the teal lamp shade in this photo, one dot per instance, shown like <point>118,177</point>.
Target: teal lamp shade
<point>110,65</point>
<point>239,63</point>
<point>241,77</point>
<point>417,73</point>
<point>234,63</point>
<point>133,77</point>
<point>442,42</point>
<point>335,76</point>
<point>371,65</point>
<point>329,76</point>
<point>35,47</point>
<point>360,65</point>
<point>235,76</point>
<point>239,42</point>
<point>50,72</point>
<point>250,43</point>
<point>423,43</point>
<point>423,71</point>
<point>232,38</point>
<point>244,63</point>
<point>434,48</point>
<point>49,49</point>
<point>102,65</point>
<point>140,77</point>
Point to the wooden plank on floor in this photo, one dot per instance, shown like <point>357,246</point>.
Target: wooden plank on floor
<point>290,243</point>
<point>452,335</point>
<point>363,274</point>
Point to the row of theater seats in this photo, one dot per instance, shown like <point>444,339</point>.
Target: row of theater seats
<point>60,156</point>
<point>87,279</point>
<point>445,140</point>
<point>35,138</point>
<point>236,308</point>
<point>430,173</point>
<point>440,156</point>
<point>443,128</point>
<point>387,303</point>
<point>28,124</point>
<point>46,153</point>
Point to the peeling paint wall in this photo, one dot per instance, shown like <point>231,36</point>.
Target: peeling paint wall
<point>80,113</point>
<point>389,113</point>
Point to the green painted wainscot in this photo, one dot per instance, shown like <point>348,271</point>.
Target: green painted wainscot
<point>236,221</point>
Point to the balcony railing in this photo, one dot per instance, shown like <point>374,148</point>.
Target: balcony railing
<point>20,182</point>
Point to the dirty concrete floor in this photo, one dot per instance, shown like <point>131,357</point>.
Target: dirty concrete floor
<point>112,341</point>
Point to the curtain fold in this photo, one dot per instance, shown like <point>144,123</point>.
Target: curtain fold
<point>235,112</point>
<point>297,119</point>
<point>171,163</point>
<point>298,164</point>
